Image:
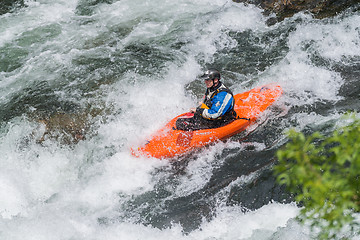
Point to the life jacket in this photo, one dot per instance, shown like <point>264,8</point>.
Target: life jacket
<point>211,93</point>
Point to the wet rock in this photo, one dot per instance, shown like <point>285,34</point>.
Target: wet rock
<point>67,128</point>
<point>287,8</point>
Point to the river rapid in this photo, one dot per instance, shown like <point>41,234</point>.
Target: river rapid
<point>121,70</point>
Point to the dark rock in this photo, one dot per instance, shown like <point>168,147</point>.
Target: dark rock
<point>287,8</point>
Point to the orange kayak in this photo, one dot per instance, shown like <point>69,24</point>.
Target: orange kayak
<point>169,143</point>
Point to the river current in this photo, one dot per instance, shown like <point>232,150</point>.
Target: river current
<point>119,70</point>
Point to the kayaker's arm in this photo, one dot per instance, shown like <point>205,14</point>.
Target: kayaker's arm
<point>201,105</point>
<point>221,103</point>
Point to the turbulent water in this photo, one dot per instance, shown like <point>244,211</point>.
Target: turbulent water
<point>119,70</point>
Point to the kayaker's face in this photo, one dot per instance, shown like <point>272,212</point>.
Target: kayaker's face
<point>209,83</point>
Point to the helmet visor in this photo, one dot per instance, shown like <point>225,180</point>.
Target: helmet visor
<point>207,76</point>
<point>211,75</point>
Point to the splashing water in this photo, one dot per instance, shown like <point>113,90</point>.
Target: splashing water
<point>119,70</point>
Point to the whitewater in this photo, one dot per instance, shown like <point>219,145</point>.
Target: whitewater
<point>122,69</point>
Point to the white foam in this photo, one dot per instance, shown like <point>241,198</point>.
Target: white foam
<point>334,41</point>
<point>233,223</point>
<point>12,200</point>
<point>306,81</point>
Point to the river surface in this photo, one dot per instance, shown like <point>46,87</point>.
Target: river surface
<point>119,70</point>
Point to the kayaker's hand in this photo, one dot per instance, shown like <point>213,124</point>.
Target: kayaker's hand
<point>192,110</point>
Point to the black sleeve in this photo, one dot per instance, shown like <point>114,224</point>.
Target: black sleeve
<point>198,112</point>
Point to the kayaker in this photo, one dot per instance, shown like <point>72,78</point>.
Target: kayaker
<point>216,108</point>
